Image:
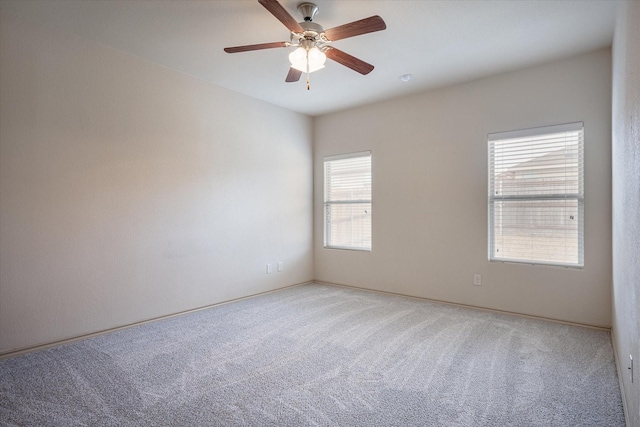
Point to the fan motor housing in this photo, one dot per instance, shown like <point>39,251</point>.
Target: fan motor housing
<point>312,28</point>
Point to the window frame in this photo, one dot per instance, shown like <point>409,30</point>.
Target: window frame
<point>579,196</point>
<point>328,203</point>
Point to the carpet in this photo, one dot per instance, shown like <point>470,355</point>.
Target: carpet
<point>322,355</point>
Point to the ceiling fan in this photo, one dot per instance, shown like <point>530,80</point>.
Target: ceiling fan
<point>313,41</point>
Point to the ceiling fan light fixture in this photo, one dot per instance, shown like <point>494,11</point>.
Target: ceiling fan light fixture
<point>314,58</point>
<point>311,40</point>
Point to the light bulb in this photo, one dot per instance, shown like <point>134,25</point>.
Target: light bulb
<point>316,58</point>
<point>298,59</point>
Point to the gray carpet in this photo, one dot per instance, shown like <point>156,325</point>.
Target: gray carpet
<point>322,355</point>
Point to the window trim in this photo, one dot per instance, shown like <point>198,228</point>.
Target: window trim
<point>326,204</point>
<point>579,196</point>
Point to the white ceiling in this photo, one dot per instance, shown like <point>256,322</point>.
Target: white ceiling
<point>439,42</point>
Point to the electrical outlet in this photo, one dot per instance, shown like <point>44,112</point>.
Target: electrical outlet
<point>477,280</point>
<point>269,268</point>
<point>280,266</point>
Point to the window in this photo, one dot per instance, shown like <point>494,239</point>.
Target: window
<point>536,195</point>
<point>347,201</point>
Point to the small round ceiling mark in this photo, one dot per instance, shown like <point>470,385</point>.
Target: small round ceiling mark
<point>405,77</point>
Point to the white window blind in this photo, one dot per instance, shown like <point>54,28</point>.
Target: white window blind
<point>536,195</point>
<point>347,201</point>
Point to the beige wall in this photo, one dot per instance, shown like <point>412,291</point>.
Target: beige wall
<point>626,202</point>
<point>429,157</point>
<point>129,191</point>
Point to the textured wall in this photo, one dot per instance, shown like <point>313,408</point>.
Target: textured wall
<point>429,158</point>
<point>129,191</point>
<point>626,200</point>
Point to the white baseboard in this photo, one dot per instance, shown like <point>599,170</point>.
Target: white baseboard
<point>625,406</point>
<point>474,307</point>
<point>43,346</point>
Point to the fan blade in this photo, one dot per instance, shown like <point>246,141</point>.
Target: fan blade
<point>249,47</point>
<point>293,76</point>
<point>356,28</point>
<point>282,15</point>
<point>349,61</point>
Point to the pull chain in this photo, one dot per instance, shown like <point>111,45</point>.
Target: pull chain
<point>308,85</point>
